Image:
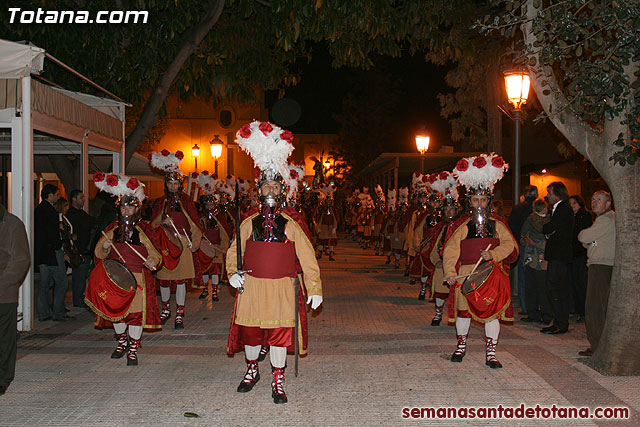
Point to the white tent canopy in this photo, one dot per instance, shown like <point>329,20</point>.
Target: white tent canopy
<point>86,123</point>
<point>18,60</point>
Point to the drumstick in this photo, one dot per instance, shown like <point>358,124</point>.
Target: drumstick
<point>478,262</point>
<point>136,252</point>
<point>174,226</point>
<point>187,236</point>
<point>114,247</point>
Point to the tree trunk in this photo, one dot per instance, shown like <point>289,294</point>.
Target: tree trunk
<point>190,42</point>
<point>67,173</point>
<point>618,352</point>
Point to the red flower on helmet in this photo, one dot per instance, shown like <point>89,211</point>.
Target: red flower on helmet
<point>133,183</point>
<point>229,176</point>
<point>205,172</point>
<point>165,152</point>
<point>179,155</point>
<point>194,175</point>
<point>416,174</point>
<point>287,136</point>
<point>150,156</point>
<point>245,131</point>
<point>432,178</point>
<point>265,127</point>
<point>214,176</point>
<point>294,174</point>
<point>479,162</point>
<point>462,165</point>
<point>241,181</point>
<point>444,175</point>
<point>98,177</point>
<point>497,161</point>
<point>256,173</point>
<point>112,180</point>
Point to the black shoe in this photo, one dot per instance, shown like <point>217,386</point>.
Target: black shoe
<point>3,389</point>
<point>558,332</point>
<point>421,297</point>
<point>523,313</point>
<point>132,362</point>
<point>331,258</point>
<point>493,364</point>
<point>388,262</point>
<point>204,294</point>
<point>457,357</point>
<point>412,282</point>
<point>586,353</point>
<point>278,398</point>
<point>545,321</point>
<point>436,322</point>
<point>247,387</point>
<point>529,319</point>
<point>215,298</point>
<point>44,319</point>
<point>548,329</point>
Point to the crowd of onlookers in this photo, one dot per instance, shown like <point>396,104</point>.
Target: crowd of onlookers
<point>566,259</point>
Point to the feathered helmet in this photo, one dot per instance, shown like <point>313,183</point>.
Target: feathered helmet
<point>207,183</point>
<point>479,174</point>
<point>269,146</point>
<point>230,180</point>
<point>421,185</point>
<point>379,194</point>
<point>391,198</point>
<point>243,186</point>
<point>296,174</point>
<point>403,195</point>
<point>128,190</point>
<point>225,190</point>
<point>169,163</point>
<point>328,190</point>
<point>446,184</point>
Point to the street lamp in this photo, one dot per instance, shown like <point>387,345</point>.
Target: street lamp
<point>216,150</point>
<point>517,84</point>
<point>195,150</point>
<point>422,143</point>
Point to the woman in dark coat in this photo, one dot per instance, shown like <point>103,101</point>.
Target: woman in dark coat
<point>578,269</point>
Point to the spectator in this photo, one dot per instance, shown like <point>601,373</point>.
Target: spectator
<point>15,261</point>
<point>497,207</point>
<point>82,235</point>
<point>49,256</point>
<point>578,268</point>
<point>558,252</point>
<point>518,216</point>
<point>600,241</point>
<point>533,244</point>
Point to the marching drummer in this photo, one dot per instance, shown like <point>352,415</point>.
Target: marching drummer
<point>479,237</point>
<point>177,211</point>
<point>216,236</point>
<point>130,240</point>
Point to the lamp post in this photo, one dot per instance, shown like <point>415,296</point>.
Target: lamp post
<point>517,85</point>
<point>195,150</point>
<point>422,143</point>
<point>216,150</point>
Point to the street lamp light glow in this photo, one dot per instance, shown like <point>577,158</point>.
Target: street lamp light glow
<point>195,150</point>
<point>517,84</point>
<point>422,143</point>
<point>216,147</point>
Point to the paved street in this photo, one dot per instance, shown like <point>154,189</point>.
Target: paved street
<point>372,352</point>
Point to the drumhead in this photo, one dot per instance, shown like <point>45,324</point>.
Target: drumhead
<point>208,249</point>
<point>477,279</point>
<point>120,274</point>
<point>172,236</point>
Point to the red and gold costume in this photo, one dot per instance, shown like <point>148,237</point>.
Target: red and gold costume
<point>218,232</point>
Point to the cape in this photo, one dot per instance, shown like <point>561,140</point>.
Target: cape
<point>187,205</point>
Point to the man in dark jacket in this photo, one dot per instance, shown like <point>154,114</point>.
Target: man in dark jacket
<point>83,229</point>
<point>518,216</point>
<point>49,256</point>
<point>559,253</point>
<point>15,260</point>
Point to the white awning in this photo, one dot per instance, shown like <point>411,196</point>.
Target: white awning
<point>17,59</point>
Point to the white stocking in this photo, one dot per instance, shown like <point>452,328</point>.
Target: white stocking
<point>120,327</point>
<point>215,279</point>
<point>205,279</point>
<point>135,332</point>
<point>398,257</point>
<point>462,325</point>
<point>492,329</point>
<point>165,293</point>
<point>278,356</point>
<point>251,352</point>
<point>181,293</point>
<point>424,279</point>
<point>440,303</point>
<point>330,248</point>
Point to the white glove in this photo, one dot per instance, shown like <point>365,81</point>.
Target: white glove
<point>315,301</point>
<point>236,280</point>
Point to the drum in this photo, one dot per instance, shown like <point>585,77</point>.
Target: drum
<point>172,236</point>
<point>110,290</point>
<point>475,281</point>
<point>208,249</point>
<point>490,292</point>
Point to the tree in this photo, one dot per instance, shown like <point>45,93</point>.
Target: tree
<point>584,62</point>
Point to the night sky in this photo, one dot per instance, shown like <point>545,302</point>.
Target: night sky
<point>322,89</point>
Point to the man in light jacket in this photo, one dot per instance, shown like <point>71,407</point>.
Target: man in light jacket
<point>600,241</point>
<point>15,261</point>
